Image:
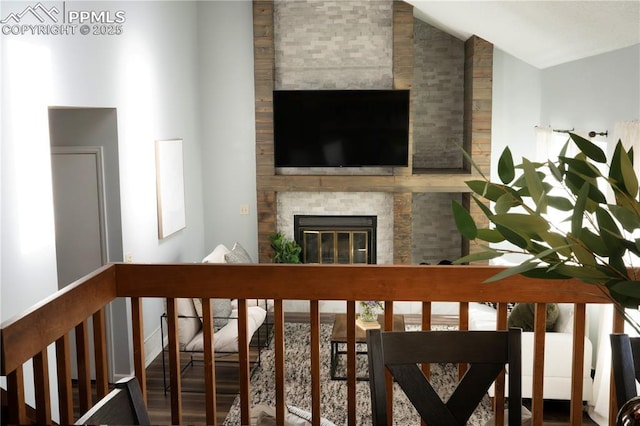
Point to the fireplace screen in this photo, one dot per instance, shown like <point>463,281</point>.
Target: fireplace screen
<point>336,239</point>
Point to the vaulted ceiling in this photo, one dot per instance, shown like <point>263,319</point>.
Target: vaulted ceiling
<point>541,33</point>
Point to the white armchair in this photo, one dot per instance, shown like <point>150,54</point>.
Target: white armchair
<point>557,358</point>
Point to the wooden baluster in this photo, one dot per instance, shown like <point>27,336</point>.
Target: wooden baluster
<point>388,326</point>
<point>174,363</point>
<point>315,362</point>
<point>243,354</point>
<point>209,362</point>
<point>278,342</point>
<point>577,366</point>
<point>351,362</point>
<point>84,366</point>
<point>65,390</point>
<point>426,326</point>
<point>499,387</point>
<point>100,350</point>
<point>17,409</point>
<point>539,334</point>
<point>618,327</point>
<point>463,324</point>
<point>139,362</point>
<point>41,385</point>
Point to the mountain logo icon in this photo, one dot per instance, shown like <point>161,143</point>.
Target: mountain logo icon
<point>38,11</point>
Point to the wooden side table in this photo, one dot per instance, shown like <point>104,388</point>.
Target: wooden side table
<point>339,337</point>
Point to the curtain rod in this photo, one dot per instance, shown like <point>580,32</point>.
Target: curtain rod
<point>591,134</point>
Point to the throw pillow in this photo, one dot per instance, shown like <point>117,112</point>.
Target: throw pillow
<point>522,316</point>
<point>298,416</point>
<point>238,255</point>
<point>221,311</point>
<point>495,305</point>
<point>217,255</point>
<point>265,419</point>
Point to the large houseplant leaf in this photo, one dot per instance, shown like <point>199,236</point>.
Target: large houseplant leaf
<point>464,222</point>
<point>506,170</point>
<point>590,149</point>
<point>601,234</point>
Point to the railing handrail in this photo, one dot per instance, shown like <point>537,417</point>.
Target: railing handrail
<point>436,283</point>
<point>27,336</point>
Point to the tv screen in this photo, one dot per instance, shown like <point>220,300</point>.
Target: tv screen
<point>341,128</point>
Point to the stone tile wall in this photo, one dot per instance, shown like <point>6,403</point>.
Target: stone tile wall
<point>438,98</point>
<point>434,233</point>
<point>341,44</point>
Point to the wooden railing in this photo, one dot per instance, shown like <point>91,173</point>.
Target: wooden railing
<point>27,337</point>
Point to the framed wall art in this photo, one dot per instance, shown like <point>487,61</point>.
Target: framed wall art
<point>170,187</point>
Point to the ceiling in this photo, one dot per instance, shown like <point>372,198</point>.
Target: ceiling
<point>541,33</point>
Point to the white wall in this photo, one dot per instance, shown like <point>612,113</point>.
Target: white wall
<point>516,107</point>
<point>588,94</point>
<point>150,75</point>
<point>593,93</point>
<point>225,32</point>
<point>516,111</point>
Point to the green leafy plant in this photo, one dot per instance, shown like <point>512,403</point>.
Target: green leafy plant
<point>596,241</point>
<point>286,250</point>
<point>369,310</point>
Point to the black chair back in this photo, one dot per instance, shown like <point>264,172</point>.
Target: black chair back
<point>486,352</point>
<point>124,405</point>
<point>626,367</point>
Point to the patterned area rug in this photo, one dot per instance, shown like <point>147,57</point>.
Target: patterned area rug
<point>334,392</point>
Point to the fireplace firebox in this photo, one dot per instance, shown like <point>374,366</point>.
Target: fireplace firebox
<point>336,239</point>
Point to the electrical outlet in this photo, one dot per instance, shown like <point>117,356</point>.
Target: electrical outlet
<point>128,258</point>
<point>244,208</point>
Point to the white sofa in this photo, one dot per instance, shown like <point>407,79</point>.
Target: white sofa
<point>225,339</point>
<point>557,358</point>
<point>225,316</point>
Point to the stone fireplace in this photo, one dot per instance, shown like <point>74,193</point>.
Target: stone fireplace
<point>341,212</point>
<point>336,239</point>
<point>375,44</point>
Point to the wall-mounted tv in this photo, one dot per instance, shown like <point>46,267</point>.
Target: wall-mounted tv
<point>341,128</point>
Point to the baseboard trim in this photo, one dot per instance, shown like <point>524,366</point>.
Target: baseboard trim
<point>152,346</point>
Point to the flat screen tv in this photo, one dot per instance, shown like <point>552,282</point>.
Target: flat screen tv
<point>341,128</point>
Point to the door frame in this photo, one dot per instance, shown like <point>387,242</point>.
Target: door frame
<point>97,152</point>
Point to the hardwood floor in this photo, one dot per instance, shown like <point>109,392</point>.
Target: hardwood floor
<point>192,382</point>
<point>193,397</point>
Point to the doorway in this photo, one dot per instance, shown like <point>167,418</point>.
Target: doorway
<point>86,191</point>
